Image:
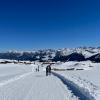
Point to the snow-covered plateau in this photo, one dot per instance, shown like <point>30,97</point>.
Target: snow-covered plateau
<point>69,81</point>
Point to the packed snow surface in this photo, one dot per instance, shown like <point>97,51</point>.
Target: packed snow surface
<point>22,82</point>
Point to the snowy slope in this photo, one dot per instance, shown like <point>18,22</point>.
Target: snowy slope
<point>84,65</point>
<point>8,71</point>
<point>87,79</point>
<point>30,85</point>
<point>21,82</point>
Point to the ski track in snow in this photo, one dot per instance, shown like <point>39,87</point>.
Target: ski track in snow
<point>76,90</point>
<point>34,86</point>
<point>14,79</point>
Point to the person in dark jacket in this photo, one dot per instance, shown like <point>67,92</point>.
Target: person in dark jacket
<point>48,70</point>
<point>38,68</point>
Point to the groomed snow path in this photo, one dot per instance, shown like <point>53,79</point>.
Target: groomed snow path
<point>34,86</point>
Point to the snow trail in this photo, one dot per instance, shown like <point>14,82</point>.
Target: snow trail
<point>76,90</point>
<point>35,86</point>
<point>5,82</point>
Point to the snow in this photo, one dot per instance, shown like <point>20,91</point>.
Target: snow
<point>87,78</point>
<point>22,82</point>
<point>26,84</point>
<point>87,52</point>
<point>85,65</point>
<point>79,92</point>
<point>51,53</point>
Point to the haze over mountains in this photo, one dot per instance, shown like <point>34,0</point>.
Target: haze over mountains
<point>65,54</point>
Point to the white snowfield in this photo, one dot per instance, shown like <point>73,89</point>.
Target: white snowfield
<point>22,82</point>
<point>87,79</point>
<point>19,82</point>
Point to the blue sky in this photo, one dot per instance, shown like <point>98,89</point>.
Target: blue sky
<point>39,24</point>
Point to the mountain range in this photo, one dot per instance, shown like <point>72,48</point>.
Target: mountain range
<point>65,54</point>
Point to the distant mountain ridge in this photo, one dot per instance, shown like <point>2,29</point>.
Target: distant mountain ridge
<point>65,54</point>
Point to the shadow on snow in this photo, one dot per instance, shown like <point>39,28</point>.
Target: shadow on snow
<point>79,92</point>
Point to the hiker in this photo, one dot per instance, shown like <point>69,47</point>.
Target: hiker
<point>38,68</point>
<point>48,70</point>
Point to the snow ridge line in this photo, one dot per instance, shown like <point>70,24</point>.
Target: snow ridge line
<point>79,92</point>
<point>14,79</point>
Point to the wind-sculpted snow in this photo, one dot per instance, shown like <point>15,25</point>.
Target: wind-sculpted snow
<point>87,78</point>
<point>79,92</point>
